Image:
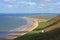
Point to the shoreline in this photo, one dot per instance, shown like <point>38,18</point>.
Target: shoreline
<point>4,33</point>
<point>29,22</point>
<point>23,31</point>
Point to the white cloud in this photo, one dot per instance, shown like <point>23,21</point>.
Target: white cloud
<point>1,7</point>
<point>9,0</point>
<point>45,0</point>
<point>31,3</point>
<point>14,0</point>
<point>6,0</point>
<point>40,7</point>
<point>10,6</point>
<point>28,3</point>
<point>58,3</point>
<point>48,0</point>
<point>55,4</point>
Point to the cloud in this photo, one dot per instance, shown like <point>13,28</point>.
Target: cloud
<point>45,0</point>
<point>28,3</point>
<point>48,0</point>
<point>6,0</point>
<point>9,0</point>
<point>55,4</point>
<point>31,3</point>
<point>1,7</point>
<point>14,0</point>
<point>58,3</point>
<point>10,6</point>
<point>40,7</point>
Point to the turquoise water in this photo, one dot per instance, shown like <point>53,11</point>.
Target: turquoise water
<point>12,24</point>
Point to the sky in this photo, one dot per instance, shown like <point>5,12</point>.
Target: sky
<point>29,6</point>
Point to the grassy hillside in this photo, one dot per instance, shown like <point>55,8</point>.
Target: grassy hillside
<point>51,28</point>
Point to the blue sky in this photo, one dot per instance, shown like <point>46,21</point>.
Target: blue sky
<point>29,6</point>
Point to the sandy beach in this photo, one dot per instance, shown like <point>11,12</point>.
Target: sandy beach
<point>23,31</point>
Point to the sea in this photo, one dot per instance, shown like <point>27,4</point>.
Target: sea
<point>10,23</point>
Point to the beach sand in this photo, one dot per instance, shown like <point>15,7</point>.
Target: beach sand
<point>23,31</point>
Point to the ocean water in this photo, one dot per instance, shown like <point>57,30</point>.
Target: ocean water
<point>9,24</point>
<point>29,14</point>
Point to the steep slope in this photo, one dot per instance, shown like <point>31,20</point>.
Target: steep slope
<point>53,24</point>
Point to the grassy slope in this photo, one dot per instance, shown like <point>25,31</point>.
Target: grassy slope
<point>36,34</point>
<point>33,33</point>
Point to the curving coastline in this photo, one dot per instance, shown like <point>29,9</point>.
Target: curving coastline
<point>29,22</point>
<point>22,31</point>
<point>11,29</point>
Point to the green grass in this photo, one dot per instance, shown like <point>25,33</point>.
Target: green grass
<point>33,33</point>
<point>36,34</point>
